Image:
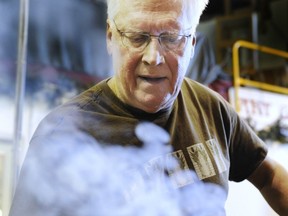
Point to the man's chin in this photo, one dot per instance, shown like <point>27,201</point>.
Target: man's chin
<point>153,106</point>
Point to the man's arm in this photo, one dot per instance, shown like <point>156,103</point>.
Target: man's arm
<point>272,181</point>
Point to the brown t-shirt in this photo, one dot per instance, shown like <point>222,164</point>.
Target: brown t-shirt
<point>207,135</point>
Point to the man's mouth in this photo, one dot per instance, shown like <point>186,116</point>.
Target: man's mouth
<point>152,79</point>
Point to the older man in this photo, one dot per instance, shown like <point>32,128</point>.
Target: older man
<point>151,43</point>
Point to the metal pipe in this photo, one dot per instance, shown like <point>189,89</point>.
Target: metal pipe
<point>255,39</point>
<point>20,85</point>
<point>236,74</point>
<point>238,81</point>
<point>263,86</point>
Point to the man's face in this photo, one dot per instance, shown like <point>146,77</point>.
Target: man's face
<point>149,79</point>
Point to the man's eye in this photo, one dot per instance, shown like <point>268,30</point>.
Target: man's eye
<point>138,38</point>
<point>170,38</point>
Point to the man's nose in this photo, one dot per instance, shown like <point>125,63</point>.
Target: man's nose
<point>153,53</point>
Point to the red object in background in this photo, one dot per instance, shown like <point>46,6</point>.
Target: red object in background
<point>222,87</point>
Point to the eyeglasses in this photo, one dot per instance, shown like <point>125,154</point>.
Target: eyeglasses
<point>140,40</point>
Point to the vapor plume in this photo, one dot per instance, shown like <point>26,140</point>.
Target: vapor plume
<point>75,175</point>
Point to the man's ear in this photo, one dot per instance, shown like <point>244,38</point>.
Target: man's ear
<point>193,41</point>
<point>108,37</point>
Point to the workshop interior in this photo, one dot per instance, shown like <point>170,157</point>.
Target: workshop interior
<point>52,50</point>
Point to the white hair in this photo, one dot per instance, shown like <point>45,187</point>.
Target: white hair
<point>197,6</point>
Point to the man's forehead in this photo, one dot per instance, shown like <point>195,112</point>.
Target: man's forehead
<point>151,5</point>
<point>153,12</point>
<point>146,8</point>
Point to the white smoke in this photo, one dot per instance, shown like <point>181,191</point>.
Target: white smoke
<point>81,177</point>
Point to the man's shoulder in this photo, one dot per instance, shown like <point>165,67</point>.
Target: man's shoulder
<point>91,94</point>
<point>69,115</point>
<point>203,96</point>
<point>195,89</point>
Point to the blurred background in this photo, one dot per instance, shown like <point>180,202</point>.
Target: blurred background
<point>51,50</point>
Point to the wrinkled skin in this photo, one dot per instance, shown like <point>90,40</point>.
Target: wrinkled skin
<point>149,80</point>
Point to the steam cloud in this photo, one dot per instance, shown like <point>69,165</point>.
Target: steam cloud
<point>81,177</point>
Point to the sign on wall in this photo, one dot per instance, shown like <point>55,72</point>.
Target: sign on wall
<point>266,112</point>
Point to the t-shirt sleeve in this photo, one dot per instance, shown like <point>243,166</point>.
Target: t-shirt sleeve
<point>246,149</point>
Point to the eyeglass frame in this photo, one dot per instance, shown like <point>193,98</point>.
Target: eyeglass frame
<point>122,34</point>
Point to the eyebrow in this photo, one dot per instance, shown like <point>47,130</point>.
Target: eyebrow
<point>162,30</point>
<point>184,32</point>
